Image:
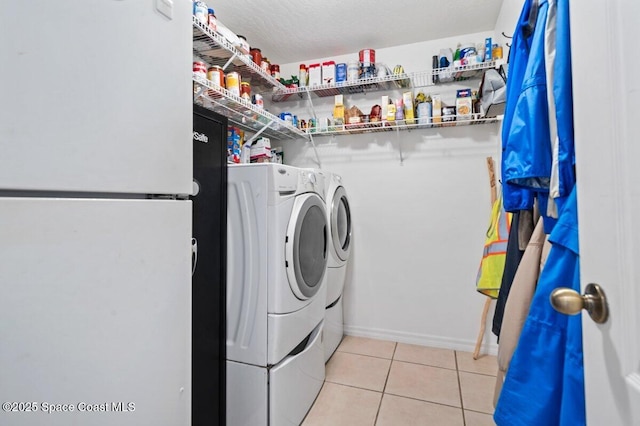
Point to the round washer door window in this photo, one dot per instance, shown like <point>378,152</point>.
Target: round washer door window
<point>341,223</point>
<point>306,246</point>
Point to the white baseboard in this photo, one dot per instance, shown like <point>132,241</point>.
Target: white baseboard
<point>422,339</point>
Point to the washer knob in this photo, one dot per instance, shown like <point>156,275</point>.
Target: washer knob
<point>312,178</point>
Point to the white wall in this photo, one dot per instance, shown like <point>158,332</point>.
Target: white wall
<point>419,223</point>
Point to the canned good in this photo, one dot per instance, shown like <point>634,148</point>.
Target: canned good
<point>256,55</point>
<point>200,69</point>
<point>233,83</point>
<point>275,71</point>
<point>341,72</point>
<point>257,100</point>
<point>353,71</point>
<point>265,65</point>
<point>216,75</point>
<point>245,90</point>
<point>367,56</point>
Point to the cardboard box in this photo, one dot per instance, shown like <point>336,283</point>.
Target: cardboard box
<point>261,149</point>
<point>464,106</point>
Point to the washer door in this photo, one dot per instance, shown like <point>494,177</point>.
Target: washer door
<point>306,246</point>
<point>341,223</point>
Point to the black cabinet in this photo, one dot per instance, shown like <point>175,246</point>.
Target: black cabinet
<point>209,273</point>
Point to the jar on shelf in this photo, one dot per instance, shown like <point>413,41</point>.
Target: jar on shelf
<point>215,74</point>
<point>265,65</point>
<point>256,55</point>
<point>353,71</point>
<point>212,21</point>
<point>275,71</point>
<point>245,91</point>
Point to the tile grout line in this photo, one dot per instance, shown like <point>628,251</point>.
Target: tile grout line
<point>384,388</point>
<point>464,419</point>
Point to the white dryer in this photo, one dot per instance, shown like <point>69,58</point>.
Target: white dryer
<point>276,293</point>
<point>340,233</point>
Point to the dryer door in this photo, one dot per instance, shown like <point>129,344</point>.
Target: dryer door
<point>341,223</point>
<point>306,246</point>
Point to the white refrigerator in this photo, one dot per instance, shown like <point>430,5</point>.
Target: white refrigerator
<point>95,221</point>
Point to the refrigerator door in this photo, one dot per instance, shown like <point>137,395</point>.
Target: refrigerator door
<point>97,96</point>
<point>95,311</point>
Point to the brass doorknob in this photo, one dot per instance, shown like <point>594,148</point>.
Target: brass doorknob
<point>568,301</point>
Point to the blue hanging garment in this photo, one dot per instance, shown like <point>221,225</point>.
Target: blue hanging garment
<point>516,198</point>
<point>545,380</point>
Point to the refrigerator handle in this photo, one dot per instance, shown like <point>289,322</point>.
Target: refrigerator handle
<point>194,255</point>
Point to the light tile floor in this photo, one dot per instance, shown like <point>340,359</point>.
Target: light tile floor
<point>375,382</point>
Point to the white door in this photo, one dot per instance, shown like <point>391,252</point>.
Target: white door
<point>606,92</point>
<point>95,312</point>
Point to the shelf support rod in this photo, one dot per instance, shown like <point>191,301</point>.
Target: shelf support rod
<point>229,61</point>
<point>259,132</point>
<point>399,145</point>
<point>313,111</point>
<point>315,151</point>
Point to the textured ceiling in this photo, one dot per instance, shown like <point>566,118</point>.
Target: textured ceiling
<point>298,30</point>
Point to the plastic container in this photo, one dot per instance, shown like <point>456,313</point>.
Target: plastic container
<point>243,45</point>
<point>341,73</point>
<point>367,57</point>
<point>201,11</point>
<point>353,71</point>
<point>303,76</point>
<point>315,75</point>
<point>232,81</point>
<point>496,52</point>
<point>328,72</point>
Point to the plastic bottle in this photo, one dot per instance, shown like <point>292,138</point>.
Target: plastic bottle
<point>496,52</point>
<point>212,21</point>
<point>303,75</point>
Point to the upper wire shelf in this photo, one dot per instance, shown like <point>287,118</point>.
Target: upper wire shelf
<point>392,82</point>
<point>214,49</point>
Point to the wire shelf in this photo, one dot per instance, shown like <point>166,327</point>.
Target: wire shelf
<point>388,126</point>
<point>241,112</point>
<point>391,82</point>
<point>214,49</point>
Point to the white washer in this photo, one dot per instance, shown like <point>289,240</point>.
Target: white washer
<point>340,233</point>
<point>276,293</point>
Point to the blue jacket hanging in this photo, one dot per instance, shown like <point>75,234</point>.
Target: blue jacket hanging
<point>516,198</point>
<point>545,380</point>
<point>563,97</point>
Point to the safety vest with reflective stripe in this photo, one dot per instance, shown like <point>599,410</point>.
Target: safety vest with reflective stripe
<point>495,251</point>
